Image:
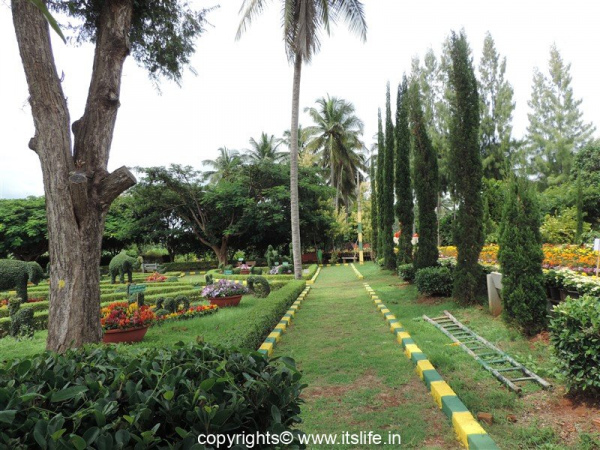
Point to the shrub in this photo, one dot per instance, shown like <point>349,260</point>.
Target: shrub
<point>188,266</point>
<point>520,256</point>
<point>153,398</point>
<point>575,335</point>
<point>407,272</point>
<point>436,281</point>
<point>237,271</point>
<point>256,270</point>
<point>15,275</point>
<point>259,286</point>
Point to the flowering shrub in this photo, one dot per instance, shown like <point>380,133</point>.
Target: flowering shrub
<point>156,277</point>
<point>570,281</point>
<point>281,270</point>
<point>224,288</point>
<point>190,313</point>
<point>122,316</point>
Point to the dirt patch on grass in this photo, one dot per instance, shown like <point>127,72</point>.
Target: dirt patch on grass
<point>567,415</point>
<point>365,381</point>
<point>427,300</point>
<point>543,337</point>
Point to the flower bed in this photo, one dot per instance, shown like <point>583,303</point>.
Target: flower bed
<point>156,278</point>
<point>224,288</point>
<point>190,313</point>
<point>579,259</point>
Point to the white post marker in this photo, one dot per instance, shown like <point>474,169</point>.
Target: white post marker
<point>597,249</point>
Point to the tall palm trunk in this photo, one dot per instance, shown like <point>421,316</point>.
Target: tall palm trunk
<point>295,214</point>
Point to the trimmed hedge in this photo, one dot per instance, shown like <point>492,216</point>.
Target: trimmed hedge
<point>262,320</point>
<point>188,266</point>
<point>153,398</point>
<point>575,336</point>
<point>435,281</point>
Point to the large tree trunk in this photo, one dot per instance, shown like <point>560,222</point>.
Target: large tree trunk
<point>295,213</point>
<point>78,187</point>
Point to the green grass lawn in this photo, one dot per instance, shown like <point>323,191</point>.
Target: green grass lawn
<point>540,420</point>
<point>358,378</point>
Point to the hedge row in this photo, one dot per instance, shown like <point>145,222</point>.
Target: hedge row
<point>98,397</point>
<point>312,269</point>
<point>262,320</point>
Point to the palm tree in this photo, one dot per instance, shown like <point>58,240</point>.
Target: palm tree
<point>302,22</point>
<point>305,158</point>
<point>335,138</point>
<point>224,166</point>
<point>265,149</point>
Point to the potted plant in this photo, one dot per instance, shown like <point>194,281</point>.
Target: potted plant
<point>224,293</point>
<point>124,322</point>
<point>244,269</point>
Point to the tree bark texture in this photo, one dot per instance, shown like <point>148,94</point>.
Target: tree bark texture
<point>295,213</point>
<point>77,185</point>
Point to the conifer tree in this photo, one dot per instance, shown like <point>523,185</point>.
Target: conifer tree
<point>404,195</point>
<point>496,108</point>
<point>465,170</point>
<point>388,187</point>
<point>521,256</point>
<point>374,212</point>
<point>556,129</point>
<point>380,179</point>
<point>426,179</point>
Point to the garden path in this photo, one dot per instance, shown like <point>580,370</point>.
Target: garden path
<point>358,379</point>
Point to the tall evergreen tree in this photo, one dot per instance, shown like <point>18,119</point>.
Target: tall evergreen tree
<point>374,211</point>
<point>388,186</point>
<point>556,129</point>
<point>404,196</point>
<point>496,108</point>
<point>520,256</point>
<point>426,182</point>
<point>380,180</point>
<point>465,170</point>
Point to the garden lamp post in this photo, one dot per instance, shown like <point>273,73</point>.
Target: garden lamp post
<point>359,220</point>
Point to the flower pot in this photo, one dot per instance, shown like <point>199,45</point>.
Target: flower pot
<point>244,271</point>
<point>224,302</point>
<point>128,335</point>
<point>554,293</point>
<point>563,294</point>
<point>573,294</point>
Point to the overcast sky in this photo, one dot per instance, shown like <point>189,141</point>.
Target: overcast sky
<point>244,87</point>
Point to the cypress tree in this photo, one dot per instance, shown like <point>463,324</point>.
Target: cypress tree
<point>374,214</point>
<point>466,170</point>
<point>380,169</point>
<point>521,256</point>
<point>579,205</point>
<point>426,182</point>
<point>388,187</point>
<point>404,196</point>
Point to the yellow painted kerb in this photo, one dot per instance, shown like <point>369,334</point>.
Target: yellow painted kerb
<point>440,389</point>
<point>465,424</point>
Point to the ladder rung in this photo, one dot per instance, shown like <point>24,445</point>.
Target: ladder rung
<point>487,354</point>
<point>522,379</point>
<point>495,361</point>
<point>476,348</point>
<point>506,369</point>
<point>441,318</point>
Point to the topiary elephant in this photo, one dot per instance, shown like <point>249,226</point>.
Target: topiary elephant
<point>15,274</point>
<point>122,264</point>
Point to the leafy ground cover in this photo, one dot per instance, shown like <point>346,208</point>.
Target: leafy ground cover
<point>538,419</point>
<point>358,379</point>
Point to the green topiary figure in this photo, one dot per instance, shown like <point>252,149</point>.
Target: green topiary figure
<point>120,265</point>
<point>209,279</point>
<point>272,256</point>
<point>15,274</point>
<point>259,286</point>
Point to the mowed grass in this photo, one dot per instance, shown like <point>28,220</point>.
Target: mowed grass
<point>228,327</point>
<point>358,378</point>
<point>535,426</point>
